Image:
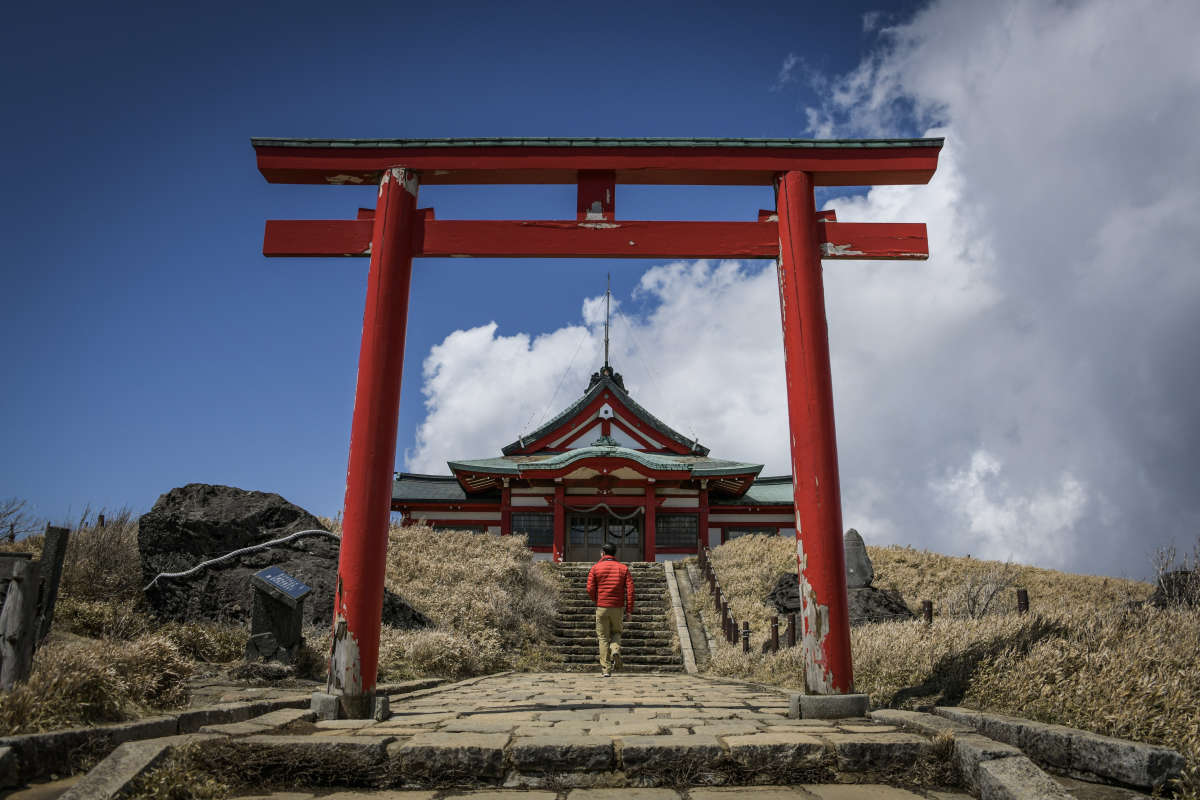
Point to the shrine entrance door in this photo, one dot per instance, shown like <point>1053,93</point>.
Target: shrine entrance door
<point>587,532</point>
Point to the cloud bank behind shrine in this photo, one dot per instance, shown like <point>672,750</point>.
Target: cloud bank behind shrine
<point>1030,392</point>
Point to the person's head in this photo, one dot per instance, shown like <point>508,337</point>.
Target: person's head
<point>609,549</point>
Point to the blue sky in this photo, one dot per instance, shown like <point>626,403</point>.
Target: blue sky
<point>147,343</point>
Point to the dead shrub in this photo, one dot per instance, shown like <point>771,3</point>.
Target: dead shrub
<point>88,682</point>
<point>1177,579</point>
<point>102,561</point>
<point>210,642</point>
<point>16,523</point>
<point>101,619</point>
<point>976,596</point>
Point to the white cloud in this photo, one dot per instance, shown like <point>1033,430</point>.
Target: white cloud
<point>786,69</point>
<point>1001,525</point>
<point>1053,330</point>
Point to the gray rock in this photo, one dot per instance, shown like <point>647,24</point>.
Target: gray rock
<point>198,522</point>
<point>859,571</point>
<point>867,604</point>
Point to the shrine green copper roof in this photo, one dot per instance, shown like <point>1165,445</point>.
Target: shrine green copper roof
<point>698,466</point>
<point>265,141</point>
<point>775,490</point>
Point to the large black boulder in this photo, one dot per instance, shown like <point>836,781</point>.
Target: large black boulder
<point>198,522</point>
<point>867,604</point>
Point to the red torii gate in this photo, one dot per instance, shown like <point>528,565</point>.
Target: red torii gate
<point>396,231</point>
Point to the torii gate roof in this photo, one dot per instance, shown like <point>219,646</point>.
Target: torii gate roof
<point>694,161</point>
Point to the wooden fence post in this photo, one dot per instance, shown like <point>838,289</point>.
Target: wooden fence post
<point>18,623</point>
<point>774,634</point>
<point>745,637</point>
<point>927,611</point>
<point>1022,601</point>
<point>791,630</point>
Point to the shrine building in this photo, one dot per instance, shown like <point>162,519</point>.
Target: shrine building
<point>603,470</point>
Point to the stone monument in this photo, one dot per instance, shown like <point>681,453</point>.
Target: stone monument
<point>859,571</point>
<point>277,617</point>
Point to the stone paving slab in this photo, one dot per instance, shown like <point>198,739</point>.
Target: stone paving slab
<point>585,733</point>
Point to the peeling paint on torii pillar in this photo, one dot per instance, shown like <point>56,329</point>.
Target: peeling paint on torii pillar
<point>816,491</point>
<point>395,232</point>
<point>358,603</point>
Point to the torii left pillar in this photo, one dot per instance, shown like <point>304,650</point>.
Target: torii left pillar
<point>815,483</point>
<point>358,604</point>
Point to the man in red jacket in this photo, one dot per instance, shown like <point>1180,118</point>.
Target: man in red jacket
<point>610,586</point>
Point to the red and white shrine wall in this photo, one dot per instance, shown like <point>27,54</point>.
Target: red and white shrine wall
<point>683,517</point>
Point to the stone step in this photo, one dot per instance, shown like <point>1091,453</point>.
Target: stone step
<point>649,590</point>
<point>625,668</point>
<point>590,607</point>
<point>637,620</point>
<point>589,621</point>
<point>632,654</point>
<point>578,658</point>
<point>565,635</point>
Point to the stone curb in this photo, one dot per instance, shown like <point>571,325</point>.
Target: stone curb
<point>1017,778</point>
<point>30,756</point>
<point>976,757</point>
<point>695,579</point>
<point>681,628</point>
<point>52,752</point>
<point>1079,753</point>
<point>129,761</point>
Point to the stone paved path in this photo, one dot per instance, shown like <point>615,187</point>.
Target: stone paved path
<point>573,732</point>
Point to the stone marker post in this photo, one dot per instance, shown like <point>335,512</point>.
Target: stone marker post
<point>54,553</point>
<point>277,618</point>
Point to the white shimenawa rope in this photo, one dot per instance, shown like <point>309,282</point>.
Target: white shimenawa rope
<point>250,549</point>
<point>606,507</point>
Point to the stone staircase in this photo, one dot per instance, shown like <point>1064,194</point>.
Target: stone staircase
<point>646,641</point>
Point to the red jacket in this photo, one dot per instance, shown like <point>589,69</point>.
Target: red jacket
<point>610,585</point>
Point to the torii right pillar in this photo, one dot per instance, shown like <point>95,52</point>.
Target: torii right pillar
<point>815,486</point>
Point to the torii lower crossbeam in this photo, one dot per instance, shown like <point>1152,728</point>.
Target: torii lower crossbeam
<point>396,231</point>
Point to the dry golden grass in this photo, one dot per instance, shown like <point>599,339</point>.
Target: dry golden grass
<point>1088,659</point>
<point>108,659</point>
<point>86,682</point>
<point>492,604</point>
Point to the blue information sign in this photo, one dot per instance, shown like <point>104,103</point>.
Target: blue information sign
<point>280,583</point>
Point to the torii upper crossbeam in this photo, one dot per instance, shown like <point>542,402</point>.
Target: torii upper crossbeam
<point>396,231</point>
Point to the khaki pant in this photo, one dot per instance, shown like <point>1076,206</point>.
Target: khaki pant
<point>608,632</point>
